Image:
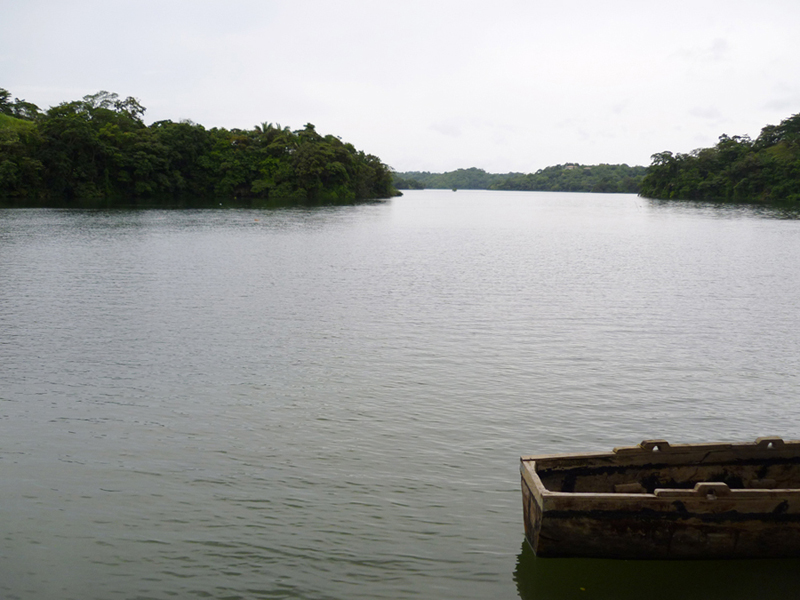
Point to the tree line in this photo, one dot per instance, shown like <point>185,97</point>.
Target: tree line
<point>570,177</point>
<point>99,150</point>
<point>737,169</point>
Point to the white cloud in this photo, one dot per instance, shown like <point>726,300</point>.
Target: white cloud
<point>705,112</point>
<point>449,128</point>
<point>715,51</point>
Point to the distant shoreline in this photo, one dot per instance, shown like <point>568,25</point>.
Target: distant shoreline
<point>569,177</point>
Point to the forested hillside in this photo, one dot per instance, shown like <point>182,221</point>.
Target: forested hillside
<point>737,169</point>
<point>98,150</point>
<point>569,177</point>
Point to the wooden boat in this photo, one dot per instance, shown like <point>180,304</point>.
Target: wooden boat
<point>663,501</point>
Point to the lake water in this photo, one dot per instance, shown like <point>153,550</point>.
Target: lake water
<point>331,403</point>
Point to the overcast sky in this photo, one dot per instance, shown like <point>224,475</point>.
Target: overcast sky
<point>433,85</point>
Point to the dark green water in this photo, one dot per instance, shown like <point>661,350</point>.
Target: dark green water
<point>331,403</point>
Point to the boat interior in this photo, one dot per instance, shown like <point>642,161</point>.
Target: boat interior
<point>656,465</point>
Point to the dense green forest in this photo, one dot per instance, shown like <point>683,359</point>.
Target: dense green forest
<point>737,169</point>
<point>569,177</point>
<point>98,150</point>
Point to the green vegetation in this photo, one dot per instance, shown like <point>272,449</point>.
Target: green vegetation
<point>569,177</point>
<point>14,123</point>
<point>99,151</point>
<point>738,169</point>
<point>465,179</point>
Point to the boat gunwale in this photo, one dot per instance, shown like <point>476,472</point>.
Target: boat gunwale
<point>662,449</point>
<point>671,455</point>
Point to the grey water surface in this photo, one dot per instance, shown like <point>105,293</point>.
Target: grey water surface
<point>331,403</point>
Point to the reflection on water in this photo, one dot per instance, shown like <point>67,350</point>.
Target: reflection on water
<point>727,210</point>
<point>574,578</point>
<point>174,204</point>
